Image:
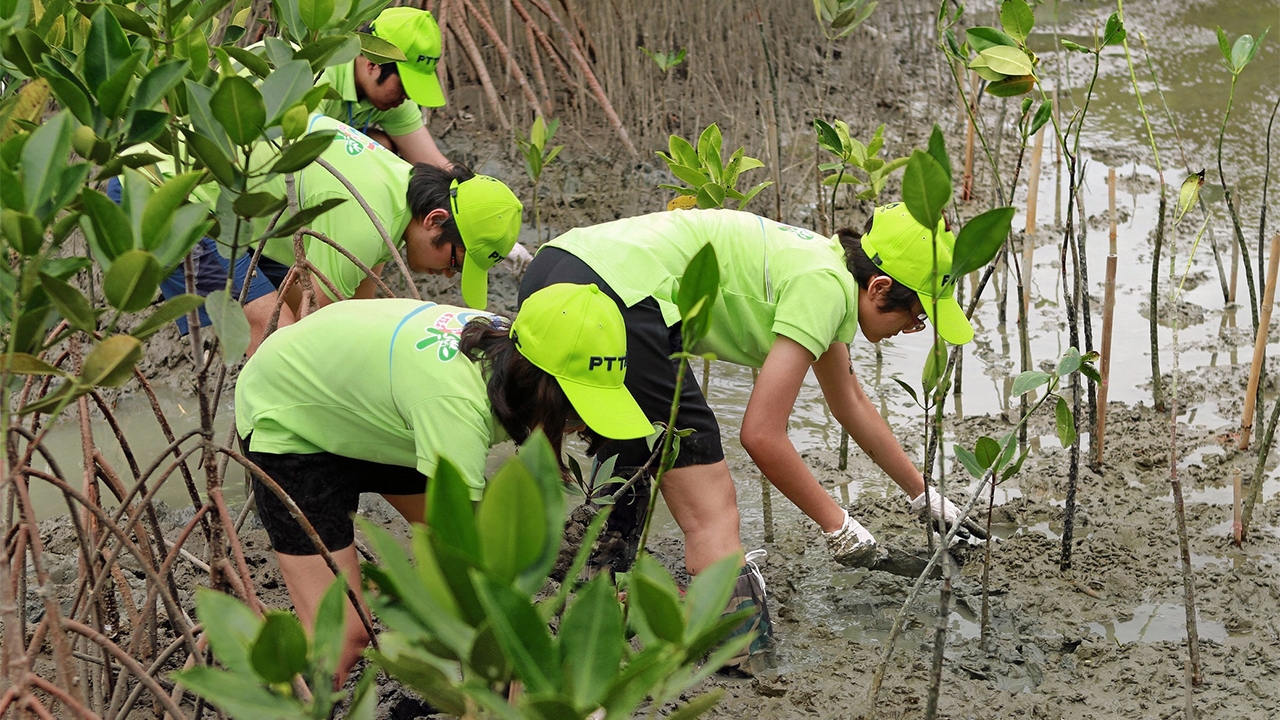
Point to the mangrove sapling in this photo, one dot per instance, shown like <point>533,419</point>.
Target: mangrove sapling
<point>665,62</point>
<point>711,180</point>
<point>536,159</point>
<point>1236,57</point>
<point>990,461</point>
<point>859,166</point>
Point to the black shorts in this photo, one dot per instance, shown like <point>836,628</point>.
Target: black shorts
<point>326,487</point>
<point>651,373</point>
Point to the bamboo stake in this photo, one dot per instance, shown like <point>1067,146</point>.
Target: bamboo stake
<point>1033,192</point>
<point>1260,344</point>
<point>1108,314</point>
<point>1237,528</point>
<point>970,133</point>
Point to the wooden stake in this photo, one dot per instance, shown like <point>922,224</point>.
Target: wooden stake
<point>1108,314</point>
<point>1237,529</point>
<point>1029,242</point>
<point>1235,272</point>
<point>1260,343</point>
<point>1057,164</point>
<point>969,138</point>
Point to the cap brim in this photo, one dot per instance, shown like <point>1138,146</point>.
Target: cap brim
<point>610,412</point>
<point>950,320</point>
<point>475,284</point>
<point>422,87</point>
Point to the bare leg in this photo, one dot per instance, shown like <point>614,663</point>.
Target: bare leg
<point>258,312</point>
<point>411,507</point>
<point>308,577</point>
<point>705,505</point>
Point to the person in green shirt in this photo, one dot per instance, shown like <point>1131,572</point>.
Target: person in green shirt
<point>789,301</point>
<point>369,396</point>
<point>444,221</point>
<point>385,101</point>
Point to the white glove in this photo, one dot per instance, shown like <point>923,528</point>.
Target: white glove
<point>852,545</point>
<point>939,507</point>
<point>517,260</point>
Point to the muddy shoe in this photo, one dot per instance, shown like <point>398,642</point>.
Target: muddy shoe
<point>749,594</point>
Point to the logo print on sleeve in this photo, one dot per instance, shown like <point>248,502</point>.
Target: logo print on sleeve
<point>446,333</point>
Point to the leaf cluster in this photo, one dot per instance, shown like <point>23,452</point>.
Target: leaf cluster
<point>534,147</point>
<point>709,178</point>
<point>665,60</point>
<point>838,18</point>
<point>999,55</point>
<point>858,165</point>
<point>1237,56</point>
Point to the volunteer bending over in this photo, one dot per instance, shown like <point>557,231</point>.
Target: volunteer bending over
<point>789,301</point>
<point>368,396</point>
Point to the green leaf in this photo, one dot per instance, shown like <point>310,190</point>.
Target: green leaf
<point>1012,86</point>
<point>980,239</point>
<point>194,46</point>
<point>26,364</point>
<point>285,87</point>
<point>926,188</point>
<point>1017,19</point>
<point>330,629</point>
<point>1007,60</point>
<point>450,514</point>
<point>190,223</point>
<point>938,149</point>
<point>699,704</point>
<point>114,93</point>
<point>1028,381</point>
<point>1224,47</point>
<point>982,38</point>
<point>1188,195</point>
<point>239,695</point>
<point>987,451</point>
<point>1090,372</point>
<point>108,228</point>
<point>238,106</point>
<point>230,627</point>
<point>416,670</point>
<point>694,177</point>
<point>147,125</point>
<point>709,594</point>
<point>1066,424</point>
<point>70,302</point>
<point>258,204</point>
<point>44,157</point>
<point>157,83</point>
<point>171,310</point>
<point>303,152</point>
<point>330,50</point>
<point>157,215</point>
<point>1069,363</point>
<point>1014,468</point>
<point>709,143</point>
<point>379,51</point>
<point>979,65</point>
<point>524,637</point>
<point>1114,34</point>
<point>22,231</point>
<point>105,49</point>
<point>510,522</point>
<point>1044,113</point>
<point>199,98</point>
<point>910,390</point>
<point>250,60</point>
<point>711,195</point>
<point>71,97</point>
<point>230,325</point>
<point>655,602</point>
<point>53,403</point>
<point>303,217</point>
<point>742,204</point>
<point>699,287</point>
<point>934,365</point>
<point>212,158</point>
<point>280,651</point>
<point>592,641</point>
<point>970,462</point>
<point>315,13</point>
<point>132,281</point>
<point>683,152</point>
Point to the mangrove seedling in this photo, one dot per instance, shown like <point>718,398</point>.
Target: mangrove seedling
<point>536,159</point>
<point>711,181</point>
<point>859,166</point>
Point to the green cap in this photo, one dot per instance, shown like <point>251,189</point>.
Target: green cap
<point>902,249</point>
<point>415,32</point>
<point>576,334</point>
<point>488,216</point>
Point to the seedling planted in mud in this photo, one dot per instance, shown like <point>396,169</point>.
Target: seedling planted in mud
<point>536,159</point>
<point>712,181</point>
<point>859,166</point>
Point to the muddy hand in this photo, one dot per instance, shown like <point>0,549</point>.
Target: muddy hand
<point>852,545</point>
<point>517,260</point>
<point>945,514</point>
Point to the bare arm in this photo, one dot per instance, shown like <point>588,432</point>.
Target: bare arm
<point>855,411</point>
<point>764,433</point>
<point>419,147</point>
<point>364,290</point>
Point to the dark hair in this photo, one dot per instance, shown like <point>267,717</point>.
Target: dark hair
<point>900,296</point>
<point>429,190</point>
<point>523,396</point>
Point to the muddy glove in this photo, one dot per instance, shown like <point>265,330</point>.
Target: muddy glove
<point>517,260</point>
<point>943,511</point>
<point>851,545</point>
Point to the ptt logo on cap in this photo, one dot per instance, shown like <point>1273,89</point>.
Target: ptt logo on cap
<point>495,255</point>
<point>607,361</point>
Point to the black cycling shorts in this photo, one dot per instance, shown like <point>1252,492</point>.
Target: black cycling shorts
<point>326,487</point>
<point>651,374</point>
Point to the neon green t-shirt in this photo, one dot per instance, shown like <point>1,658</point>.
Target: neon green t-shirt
<point>775,279</point>
<point>381,178</point>
<point>379,380</point>
<point>399,120</point>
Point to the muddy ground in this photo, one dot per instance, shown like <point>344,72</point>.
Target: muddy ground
<point>1104,640</point>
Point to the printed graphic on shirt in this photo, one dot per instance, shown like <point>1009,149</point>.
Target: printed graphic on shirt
<point>802,233</point>
<point>356,142</point>
<point>445,333</point>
